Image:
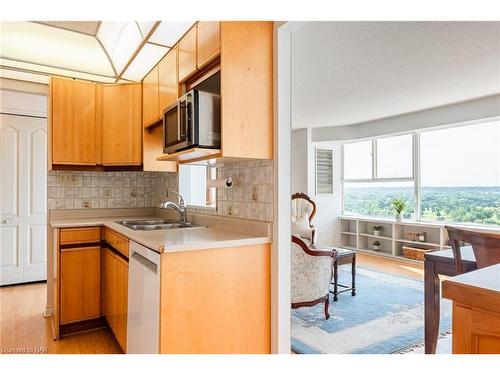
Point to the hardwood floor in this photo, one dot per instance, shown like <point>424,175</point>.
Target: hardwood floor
<point>23,329</point>
<point>391,265</point>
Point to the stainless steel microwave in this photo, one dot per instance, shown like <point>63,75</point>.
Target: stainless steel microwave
<point>192,121</point>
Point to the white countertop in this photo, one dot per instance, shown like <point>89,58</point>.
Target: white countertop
<point>169,240</point>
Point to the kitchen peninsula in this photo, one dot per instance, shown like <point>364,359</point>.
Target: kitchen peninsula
<point>220,267</point>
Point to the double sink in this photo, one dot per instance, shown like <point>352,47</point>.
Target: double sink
<point>155,224</point>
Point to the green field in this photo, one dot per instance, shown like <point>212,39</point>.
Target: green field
<point>468,204</point>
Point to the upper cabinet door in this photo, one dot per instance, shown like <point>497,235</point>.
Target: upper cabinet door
<point>247,89</point>
<point>168,80</point>
<point>187,54</point>
<point>150,110</point>
<point>208,43</point>
<point>121,124</point>
<point>72,121</point>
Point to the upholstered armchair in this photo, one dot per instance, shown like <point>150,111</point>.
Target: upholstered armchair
<point>303,211</point>
<point>311,274</point>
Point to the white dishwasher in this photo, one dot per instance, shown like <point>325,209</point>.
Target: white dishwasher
<point>143,322</point>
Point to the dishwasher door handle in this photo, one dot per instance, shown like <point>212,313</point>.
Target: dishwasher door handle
<point>145,262</point>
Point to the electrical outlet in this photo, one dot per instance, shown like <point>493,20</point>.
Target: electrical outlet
<point>66,178</point>
<point>86,204</point>
<point>255,196</point>
<point>107,193</point>
<point>61,178</point>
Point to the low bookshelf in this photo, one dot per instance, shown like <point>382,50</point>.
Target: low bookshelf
<point>357,233</point>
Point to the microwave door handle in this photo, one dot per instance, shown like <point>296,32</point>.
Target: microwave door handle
<point>189,120</point>
<point>179,108</point>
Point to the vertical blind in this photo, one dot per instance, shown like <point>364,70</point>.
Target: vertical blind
<point>324,171</point>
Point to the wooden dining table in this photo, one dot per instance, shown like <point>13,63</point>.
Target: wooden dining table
<point>437,263</point>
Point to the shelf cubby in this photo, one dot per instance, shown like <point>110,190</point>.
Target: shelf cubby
<point>357,233</point>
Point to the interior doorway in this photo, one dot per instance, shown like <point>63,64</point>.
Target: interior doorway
<point>23,192</point>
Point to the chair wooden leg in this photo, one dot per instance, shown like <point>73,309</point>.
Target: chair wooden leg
<point>327,304</point>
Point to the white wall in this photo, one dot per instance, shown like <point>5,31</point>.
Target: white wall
<point>280,257</point>
<point>300,146</point>
<point>328,205</point>
<point>22,103</point>
<point>471,110</point>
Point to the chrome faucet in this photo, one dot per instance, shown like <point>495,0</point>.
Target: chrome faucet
<point>181,207</point>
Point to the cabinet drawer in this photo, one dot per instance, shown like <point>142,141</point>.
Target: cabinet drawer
<point>73,236</point>
<point>109,236</point>
<point>116,240</point>
<point>121,244</point>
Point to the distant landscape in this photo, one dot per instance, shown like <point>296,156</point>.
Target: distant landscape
<point>468,204</point>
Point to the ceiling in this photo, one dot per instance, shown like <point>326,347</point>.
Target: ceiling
<point>350,72</point>
<point>102,51</point>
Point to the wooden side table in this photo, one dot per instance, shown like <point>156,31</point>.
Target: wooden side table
<point>344,256</point>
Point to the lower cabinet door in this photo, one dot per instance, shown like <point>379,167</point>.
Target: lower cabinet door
<point>80,284</point>
<point>121,301</point>
<point>108,287</point>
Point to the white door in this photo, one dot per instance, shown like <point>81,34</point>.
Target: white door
<point>23,212</point>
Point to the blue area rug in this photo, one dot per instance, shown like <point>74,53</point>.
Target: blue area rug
<point>386,316</point>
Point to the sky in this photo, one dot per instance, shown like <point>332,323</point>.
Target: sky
<point>459,156</point>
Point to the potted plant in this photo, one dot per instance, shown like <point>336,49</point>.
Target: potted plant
<point>377,229</point>
<point>398,206</point>
<point>376,245</point>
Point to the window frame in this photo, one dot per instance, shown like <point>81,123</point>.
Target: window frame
<point>375,177</point>
<point>416,178</point>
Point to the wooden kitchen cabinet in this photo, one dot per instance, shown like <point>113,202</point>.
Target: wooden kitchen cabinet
<point>231,316</point>
<point>122,124</point>
<point>247,89</point>
<point>108,286</point>
<point>72,114</point>
<point>121,300</point>
<point>187,54</point>
<point>208,43</point>
<point>80,297</point>
<point>150,94</point>
<point>168,81</point>
<point>168,92</point>
<point>115,295</point>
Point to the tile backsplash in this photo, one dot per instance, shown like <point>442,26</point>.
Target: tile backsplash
<point>75,189</point>
<point>251,196</point>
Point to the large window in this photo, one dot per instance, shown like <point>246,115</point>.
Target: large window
<point>374,199</point>
<point>375,173</point>
<point>460,174</point>
<point>453,175</point>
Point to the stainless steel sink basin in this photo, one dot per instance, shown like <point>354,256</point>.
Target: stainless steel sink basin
<point>155,224</point>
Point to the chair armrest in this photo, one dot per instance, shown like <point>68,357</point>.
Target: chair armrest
<point>314,234</point>
<point>314,251</point>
